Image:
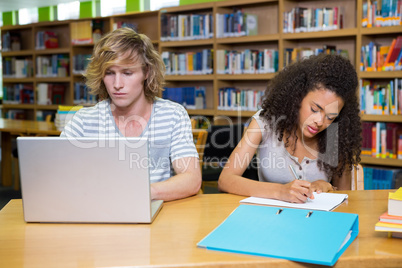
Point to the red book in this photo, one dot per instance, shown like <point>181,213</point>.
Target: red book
<point>391,48</point>
<point>374,142</point>
<point>391,219</point>
<point>394,51</point>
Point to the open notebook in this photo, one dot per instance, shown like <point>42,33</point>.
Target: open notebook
<point>322,201</point>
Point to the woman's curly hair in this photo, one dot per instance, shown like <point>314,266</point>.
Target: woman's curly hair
<point>124,46</point>
<point>339,144</point>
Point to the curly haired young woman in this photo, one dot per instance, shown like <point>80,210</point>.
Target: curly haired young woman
<point>309,122</point>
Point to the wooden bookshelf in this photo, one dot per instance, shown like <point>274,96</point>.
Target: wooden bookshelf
<point>147,23</point>
<point>270,35</point>
<point>351,37</point>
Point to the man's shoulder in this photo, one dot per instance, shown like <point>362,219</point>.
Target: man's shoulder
<point>94,110</point>
<point>168,106</point>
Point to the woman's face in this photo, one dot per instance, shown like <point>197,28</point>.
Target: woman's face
<point>318,110</point>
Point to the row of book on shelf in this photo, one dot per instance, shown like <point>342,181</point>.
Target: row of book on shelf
<point>11,41</point>
<point>189,97</point>
<point>80,63</point>
<point>17,68</point>
<point>382,140</point>
<point>377,178</point>
<point>303,19</point>
<point>196,63</point>
<point>16,114</point>
<point>18,94</point>
<point>247,62</point>
<point>47,94</point>
<point>178,27</point>
<point>56,65</point>
<point>381,97</point>
<point>82,96</point>
<point>86,31</point>
<point>391,220</point>
<point>46,40</point>
<point>236,24</point>
<point>51,93</point>
<point>20,114</point>
<point>230,99</point>
<point>381,13</point>
<point>294,54</point>
<point>376,57</point>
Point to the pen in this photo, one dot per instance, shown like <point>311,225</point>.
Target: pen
<point>294,172</point>
<point>296,177</point>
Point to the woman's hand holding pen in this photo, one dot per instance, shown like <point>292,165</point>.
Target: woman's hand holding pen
<point>297,191</point>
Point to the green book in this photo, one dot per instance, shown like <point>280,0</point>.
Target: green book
<point>252,24</point>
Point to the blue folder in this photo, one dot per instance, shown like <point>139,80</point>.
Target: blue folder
<point>310,236</point>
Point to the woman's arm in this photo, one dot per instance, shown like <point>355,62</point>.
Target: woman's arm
<point>231,179</point>
<point>344,182</point>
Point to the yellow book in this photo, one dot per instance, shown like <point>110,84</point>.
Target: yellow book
<point>395,203</point>
<point>396,195</point>
<point>388,227</point>
<point>67,108</point>
<point>190,62</point>
<point>81,32</point>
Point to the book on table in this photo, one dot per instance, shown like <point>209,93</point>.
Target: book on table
<point>395,203</point>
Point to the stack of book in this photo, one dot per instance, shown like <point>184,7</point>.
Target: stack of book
<point>65,114</point>
<point>391,221</point>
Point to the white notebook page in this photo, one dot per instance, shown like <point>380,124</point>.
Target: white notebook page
<point>322,201</point>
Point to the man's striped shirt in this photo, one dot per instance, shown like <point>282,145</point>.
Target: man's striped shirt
<point>168,132</point>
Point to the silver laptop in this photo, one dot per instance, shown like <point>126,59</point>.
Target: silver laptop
<point>87,180</point>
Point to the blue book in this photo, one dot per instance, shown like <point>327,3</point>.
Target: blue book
<point>318,237</point>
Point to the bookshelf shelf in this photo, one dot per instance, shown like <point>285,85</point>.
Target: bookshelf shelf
<point>382,118</point>
<point>237,113</point>
<point>209,77</point>
<point>208,112</point>
<point>52,51</point>
<point>91,45</point>
<point>18,80</point>
<point>16,27</point>
<point>270,35</point>
<point>188,8</point>
<point>245,76</point>
<point>187,43</point>
<point>53,79</point>
<point>383,74</point>
<point>243,2</point>
<point>248,39</point>
<point>46,107</point>
<point>18,106</point>
<point>18,53</point>
<point>381,161</point>
<point>321,34</point>
<point>29,37</point>
<point>381,30</point>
